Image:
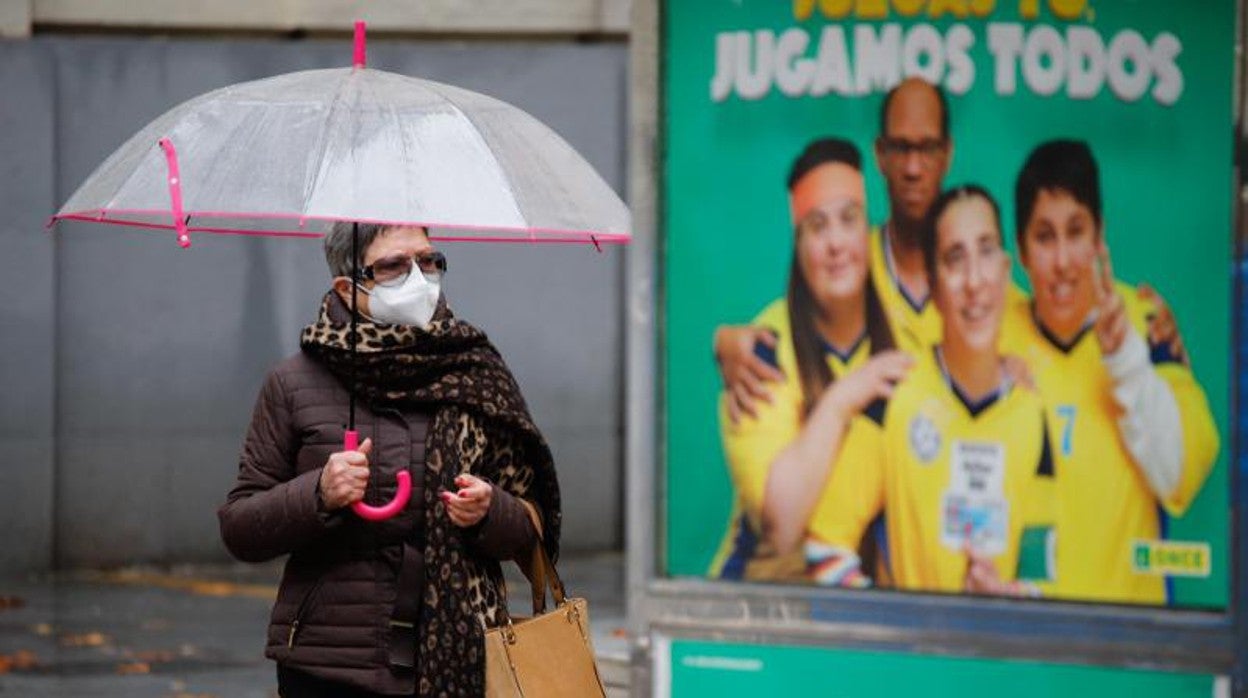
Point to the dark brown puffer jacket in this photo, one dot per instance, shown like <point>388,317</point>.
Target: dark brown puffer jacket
<point>338,591</point>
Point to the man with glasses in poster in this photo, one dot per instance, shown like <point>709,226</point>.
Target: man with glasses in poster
<point>913,152</point>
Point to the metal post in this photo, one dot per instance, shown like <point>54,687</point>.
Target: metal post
<point>642,384</point>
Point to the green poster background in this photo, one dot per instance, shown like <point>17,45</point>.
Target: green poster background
<point>1166,176</point>
<point>728,669</point>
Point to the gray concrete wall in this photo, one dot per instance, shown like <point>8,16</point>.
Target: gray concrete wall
<point>27,306</point>
<point>511,17</point>
<point>131,365</point>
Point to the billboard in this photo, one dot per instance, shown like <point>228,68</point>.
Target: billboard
<point>947,295</point>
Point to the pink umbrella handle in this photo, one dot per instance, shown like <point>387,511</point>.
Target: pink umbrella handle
<point>351,442</point>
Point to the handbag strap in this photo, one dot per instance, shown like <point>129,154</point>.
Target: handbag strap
<point>541,571</point>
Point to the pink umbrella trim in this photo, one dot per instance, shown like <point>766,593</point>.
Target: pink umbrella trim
<point>175,192</point>
<point>510,233</point>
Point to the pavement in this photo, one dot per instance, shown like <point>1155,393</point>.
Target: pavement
<point>198,631</point>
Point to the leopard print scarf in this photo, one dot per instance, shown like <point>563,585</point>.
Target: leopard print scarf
<point>480,424</point>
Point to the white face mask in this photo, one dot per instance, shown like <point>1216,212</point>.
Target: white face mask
<point>412,303</point>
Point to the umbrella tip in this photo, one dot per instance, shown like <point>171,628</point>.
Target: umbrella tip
<point>361,52</point>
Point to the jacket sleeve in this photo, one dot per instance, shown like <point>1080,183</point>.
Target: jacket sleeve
<point>272,511</point>
<point>506,532</point>
<point>1149,414</point>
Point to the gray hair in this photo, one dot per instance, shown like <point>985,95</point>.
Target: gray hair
<point>338,245</point>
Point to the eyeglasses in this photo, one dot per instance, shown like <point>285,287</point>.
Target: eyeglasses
<point>394,270</point>
<point>927,149</point>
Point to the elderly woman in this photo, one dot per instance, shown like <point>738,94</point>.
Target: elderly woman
<point>396,607</point>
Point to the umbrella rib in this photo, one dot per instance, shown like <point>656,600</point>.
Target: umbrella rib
<point>323,144</point>
<point>403,142</point>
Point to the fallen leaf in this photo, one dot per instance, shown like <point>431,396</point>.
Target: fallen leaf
<point>22,659</point>
<point>42,629</point>
<point>134,668</point>
<point>212,588</point>
<point>7,602</point>
<point>84,640</point>
<point>25,659</point>
<point>152,656</point>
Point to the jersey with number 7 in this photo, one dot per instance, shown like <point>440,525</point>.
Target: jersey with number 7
<point>1106,504</point>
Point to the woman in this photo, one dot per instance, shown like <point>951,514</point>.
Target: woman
<point>397,607</point>
<point>836,351</point>
<point>961,469</point>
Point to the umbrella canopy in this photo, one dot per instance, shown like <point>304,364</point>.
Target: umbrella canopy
<point>284,155</point>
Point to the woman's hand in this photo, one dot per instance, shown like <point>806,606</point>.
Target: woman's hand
<point>982,578</point>
<point>469,505</point>
<point>345,476</point>
<point>852,393</point>
<point>981,574</point>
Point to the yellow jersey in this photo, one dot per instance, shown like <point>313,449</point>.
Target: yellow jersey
<point>947,474</point>
<point>915,323</point>
<point>1106,505</point>
<point>753,443</point>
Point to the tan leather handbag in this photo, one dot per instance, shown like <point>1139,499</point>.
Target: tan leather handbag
<point>550,655</point>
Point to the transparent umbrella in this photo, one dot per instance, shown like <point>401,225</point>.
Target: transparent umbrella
<point>288,155</point>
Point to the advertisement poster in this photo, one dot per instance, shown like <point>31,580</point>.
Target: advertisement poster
<point>947,296</point>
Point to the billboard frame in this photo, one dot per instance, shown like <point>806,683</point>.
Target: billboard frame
<point>1205,641</point>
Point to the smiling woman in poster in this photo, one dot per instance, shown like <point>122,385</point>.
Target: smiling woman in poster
<point>960,466</point>
<point>838,358</point>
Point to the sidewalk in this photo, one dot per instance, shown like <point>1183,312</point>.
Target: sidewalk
<point>198,632</point>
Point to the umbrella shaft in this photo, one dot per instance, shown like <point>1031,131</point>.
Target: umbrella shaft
<point>355,274</point>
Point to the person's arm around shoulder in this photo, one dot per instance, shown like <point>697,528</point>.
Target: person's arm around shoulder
<point>270,511</point>
<point>740,352</point>
<point>744,373</point>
